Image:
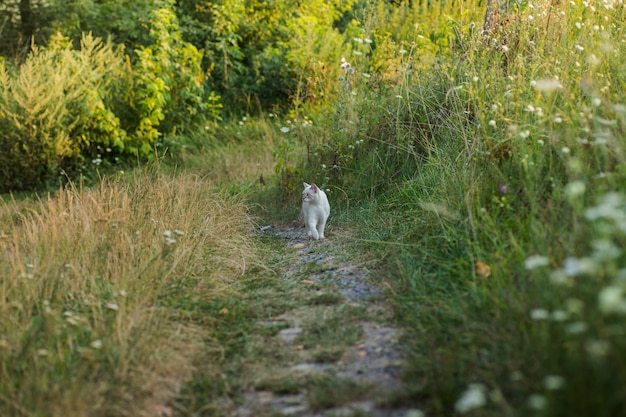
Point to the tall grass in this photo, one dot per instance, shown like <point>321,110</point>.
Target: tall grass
<point>491,172</point>
<point>85,279</point>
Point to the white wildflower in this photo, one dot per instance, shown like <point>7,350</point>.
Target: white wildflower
<point>576,327</point>
<point>547,85</point>
<point>539,314</point>
<point>471,399</point>
<point>537,402</point>
<point>574,267</point>
<point>575,189</point>
<point>536,261</point>
<point>611,300</point>
<point>553,382</point>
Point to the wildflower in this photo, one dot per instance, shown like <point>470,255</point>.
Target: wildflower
<point>565,150</point>
<point>611,300</point>
<point>574,189</point>
<point>573,267</point>
<point>530,108</point>
<point>356,53</point>
<point>42,352</point>
<point>402,51</point>
<point>178,232</point>
<point>553,382</point>
<point>475,79</point>
<point>505,48</point>
<point>366,75</point>
<point>367,40</point>
<point>96,344</point>
<point>169,241</point>
<point>399,96</point>
<point>494,107</point>
<point>167,233</point>
<point>492,123</point>
<point>503,189</point>
<point>285,129</point>
<point>537,402</point>
<point>604,249</point>
<point>112,306</point>
<point>557,120</point>
<point>593,60</point>
<point>596,102</point>
<point>471,399</point>
<point>539,314</point>
<point>524,134</point>
<point>358,40</point>
<point>536,261</point>
<point>547,85</point>
<point>559,277</point>
<point>609,208</point>
<point>576,327</point>
<point>578,47</point>
<point>559,315</point>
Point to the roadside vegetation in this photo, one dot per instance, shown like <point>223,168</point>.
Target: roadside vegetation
<point>482,168</point>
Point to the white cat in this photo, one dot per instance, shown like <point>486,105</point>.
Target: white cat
<point>315,210</point>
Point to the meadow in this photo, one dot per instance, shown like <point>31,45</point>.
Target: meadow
<point>484,171</point>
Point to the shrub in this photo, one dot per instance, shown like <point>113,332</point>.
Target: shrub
<point>54,110</point>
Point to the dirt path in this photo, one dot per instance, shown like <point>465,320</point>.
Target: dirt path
<point>335,351</point>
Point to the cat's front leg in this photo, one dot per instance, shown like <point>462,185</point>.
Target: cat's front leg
<point>322,226</point>
<point>313,230</point>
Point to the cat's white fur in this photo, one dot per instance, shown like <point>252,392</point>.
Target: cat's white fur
<point>315,210</point>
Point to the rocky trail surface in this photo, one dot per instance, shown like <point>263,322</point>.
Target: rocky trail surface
<point>336,350</point>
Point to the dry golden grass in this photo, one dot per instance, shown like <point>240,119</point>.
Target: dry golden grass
<point>85,278</point>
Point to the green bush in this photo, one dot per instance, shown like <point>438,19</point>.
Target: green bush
<point>54,110</point>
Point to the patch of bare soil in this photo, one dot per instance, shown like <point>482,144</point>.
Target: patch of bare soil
<point>344,354</point>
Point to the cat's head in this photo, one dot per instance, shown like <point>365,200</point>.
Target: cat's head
<point>310,192</point>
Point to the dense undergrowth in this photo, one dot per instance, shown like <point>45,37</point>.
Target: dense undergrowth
<point>491,179</point>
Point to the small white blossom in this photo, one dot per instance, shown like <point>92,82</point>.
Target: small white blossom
<point>536,261</point>
<point>537,402</point>
<point>575,189</point>
<point>553,382</point>
<point>539,314</point>
<point>547,85</point>
<point>285,129</point>
<point>611,300</point>
<point>576,327</point>
<point>471,399</point>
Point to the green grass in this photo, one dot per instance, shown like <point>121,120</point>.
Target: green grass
<point>474,157</point>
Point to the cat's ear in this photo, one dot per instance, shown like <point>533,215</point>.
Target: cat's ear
<point>306,185</point>
<point>314,187</point>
